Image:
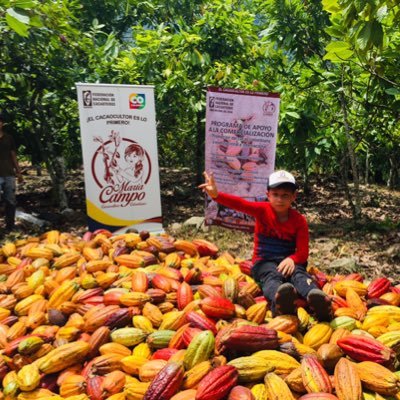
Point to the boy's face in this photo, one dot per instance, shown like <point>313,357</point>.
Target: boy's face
<point>281,199</point>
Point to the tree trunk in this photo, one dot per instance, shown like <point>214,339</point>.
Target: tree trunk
<point>345,173</point>
<point>200,148</point>
<point>392,179</point>
<point>367,168</point>
<point>306,176</point>
<point>54,159</point>
<point>306,184</point>
<point>56,167</point>
<point>353,160</point>
<point>38,169</point>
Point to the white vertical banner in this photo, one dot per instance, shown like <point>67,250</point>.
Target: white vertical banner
<point>119,145</point>
<point>241,131</point>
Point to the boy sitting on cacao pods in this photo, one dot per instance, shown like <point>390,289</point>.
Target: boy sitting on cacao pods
<point>280,245</point>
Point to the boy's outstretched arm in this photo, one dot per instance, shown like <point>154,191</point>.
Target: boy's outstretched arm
<point>210,187</point>
<point>228,200</point>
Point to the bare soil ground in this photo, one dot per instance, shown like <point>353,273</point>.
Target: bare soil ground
<point>374,242</point>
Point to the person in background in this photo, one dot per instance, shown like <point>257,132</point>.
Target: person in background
<point>280,245</point>
<point>9,170</point>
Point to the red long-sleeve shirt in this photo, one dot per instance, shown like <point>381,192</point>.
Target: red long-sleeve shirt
<point>272,238</point>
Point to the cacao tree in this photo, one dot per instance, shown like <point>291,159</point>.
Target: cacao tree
<point>40,69</point>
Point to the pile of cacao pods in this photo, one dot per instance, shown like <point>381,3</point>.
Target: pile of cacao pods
<point>136,316</point>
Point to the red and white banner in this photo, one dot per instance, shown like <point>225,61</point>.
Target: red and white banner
<point>241,131</point>
<point>119,145</point>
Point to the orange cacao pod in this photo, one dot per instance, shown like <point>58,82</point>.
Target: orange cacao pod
<point>189,394</point>
<point>73,385</point>
<point>99,337</point>
<point>140,282</point>
<point>113,383</point>
<point>284,323</point>
<point>150,369</point>
<point>347,381</point>
<point>318,396</point>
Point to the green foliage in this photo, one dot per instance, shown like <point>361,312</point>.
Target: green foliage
<point>40,71</point>
<point>331,61</point>
<point>219,46</point>
<point>366,42</point>
<point>19,16</point>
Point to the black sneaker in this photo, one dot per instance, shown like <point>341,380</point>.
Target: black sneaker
<point>321,304</point>
<point>285,299</point>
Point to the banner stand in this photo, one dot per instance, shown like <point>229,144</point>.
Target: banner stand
<point>120,157</point>
<point>241,131</point>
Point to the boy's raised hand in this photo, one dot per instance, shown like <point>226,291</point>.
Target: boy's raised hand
<point>210,187</point>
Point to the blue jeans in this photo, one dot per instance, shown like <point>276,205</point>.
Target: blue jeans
<point>7,193</point>
<point>269,279</point>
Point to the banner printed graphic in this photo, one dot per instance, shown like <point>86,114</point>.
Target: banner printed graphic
<point>119,145</point>
<point>241,131</point>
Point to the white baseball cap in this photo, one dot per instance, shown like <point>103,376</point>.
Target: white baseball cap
<point>281,177</point>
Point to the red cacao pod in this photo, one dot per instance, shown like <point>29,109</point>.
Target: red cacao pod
<point>246,266</point>
<point>251,338</point>
<point>205,248</point>
<point>166,383</point>
<point>363,348</point>
<point>184,295</point>
<point>378,287</point>
<point>94,387</point>
<point>200,321</point>
<point>217,383</point>
<point>217,307</point>
<point>163,354</point>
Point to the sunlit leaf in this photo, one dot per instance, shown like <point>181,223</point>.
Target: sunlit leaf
<point>331,6</point>
<point>219,75</point>
<point>339,55</point>
<point>382,13</point>
<point>293,114</point>
<point>18,15</point>
<point>199,56</point>
<point>16,25</point>
<point>337,46</point>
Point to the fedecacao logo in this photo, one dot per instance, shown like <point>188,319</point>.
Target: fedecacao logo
<point>137,101</point>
